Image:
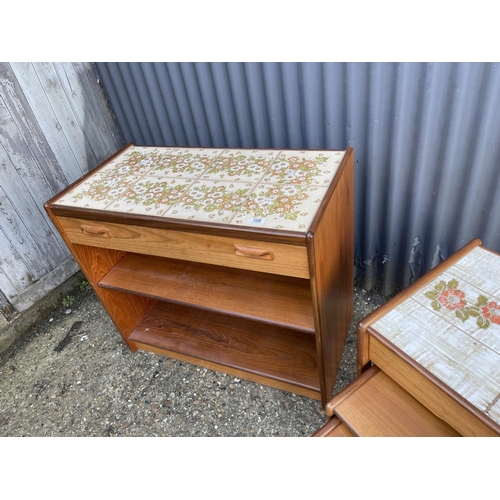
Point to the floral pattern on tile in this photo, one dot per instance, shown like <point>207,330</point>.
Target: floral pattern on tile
<point>151,195</point>
<point>186,163</point>
<point>214,201</point>
<point>306,167</point>
<point>468,366</point>
<point>448,295</point>
<point>135,162</point>
<point>490,311</point>
<point>240,166</point>
<point>97,192</point>
<point>281,206</point>
<point>140,179</point>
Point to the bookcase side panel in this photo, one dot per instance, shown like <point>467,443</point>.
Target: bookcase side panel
<point>331,254</point>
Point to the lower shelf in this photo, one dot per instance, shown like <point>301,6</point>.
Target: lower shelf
<point>267,351</point>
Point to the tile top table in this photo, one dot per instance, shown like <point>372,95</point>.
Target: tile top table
<point>274,189</point>
<point>443,332</point>
<point>238,260</point>
<point>451,327</point>
<point>429,358</point>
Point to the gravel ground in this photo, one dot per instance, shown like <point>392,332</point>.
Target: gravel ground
<point>73,376</point>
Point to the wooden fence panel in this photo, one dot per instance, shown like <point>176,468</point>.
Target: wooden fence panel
<point>55,125</point>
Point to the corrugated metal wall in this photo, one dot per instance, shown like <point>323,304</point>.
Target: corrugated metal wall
<point>425,135</point>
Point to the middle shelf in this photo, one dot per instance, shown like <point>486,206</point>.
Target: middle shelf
<point>273,299</point>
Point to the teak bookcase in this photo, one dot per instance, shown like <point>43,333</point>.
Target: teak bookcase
<point>272,305</point>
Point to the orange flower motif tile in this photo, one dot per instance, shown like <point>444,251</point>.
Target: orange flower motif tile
<point>451,327</point>
<point>464,302</point>
<point>269,188</point>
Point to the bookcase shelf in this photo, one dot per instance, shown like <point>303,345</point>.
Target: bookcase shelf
<point>264,350</point>
<point>269,298</point>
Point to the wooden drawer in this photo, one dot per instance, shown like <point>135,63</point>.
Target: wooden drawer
<point>254,255</point>
<point>376,406</point>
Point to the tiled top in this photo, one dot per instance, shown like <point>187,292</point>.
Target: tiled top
<point>263,188</point>
<point>451,327</point>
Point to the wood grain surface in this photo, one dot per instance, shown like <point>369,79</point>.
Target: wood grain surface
<point>125,310</point>
<point>382,408</point>
<point>245,345</point>
<point>331,259</point>
<point>289,260</point>
<point>269,298</point>
<point>334,428</point>
<point>431,392</point>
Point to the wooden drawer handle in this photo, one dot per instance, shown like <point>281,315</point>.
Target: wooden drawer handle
<point>95,231</point>
<point>253,252</point>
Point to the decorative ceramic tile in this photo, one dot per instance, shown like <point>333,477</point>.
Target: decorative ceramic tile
<point>97,192</point>
<point>241,166</point>
<point>213,201</point>
<point>304,168</point>
<point>482,269</point>
<point>184,162</point>
<point>464,364</point>
<point>452,297</point>
<point>451,327</point>
<point>151,195</point>
<point>226,186</point>
<point>136,161</point>
<point>281,207</point>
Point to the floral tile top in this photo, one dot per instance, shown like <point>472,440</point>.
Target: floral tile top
<point>451,327</point>
<point>263,188</point>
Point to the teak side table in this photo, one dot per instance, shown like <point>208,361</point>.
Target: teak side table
<point>429,359</point>
<point>240,261</point>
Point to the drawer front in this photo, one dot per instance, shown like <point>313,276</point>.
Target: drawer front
<point>275,258</point>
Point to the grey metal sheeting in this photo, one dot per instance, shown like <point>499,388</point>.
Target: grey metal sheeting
<point>425,135</point>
